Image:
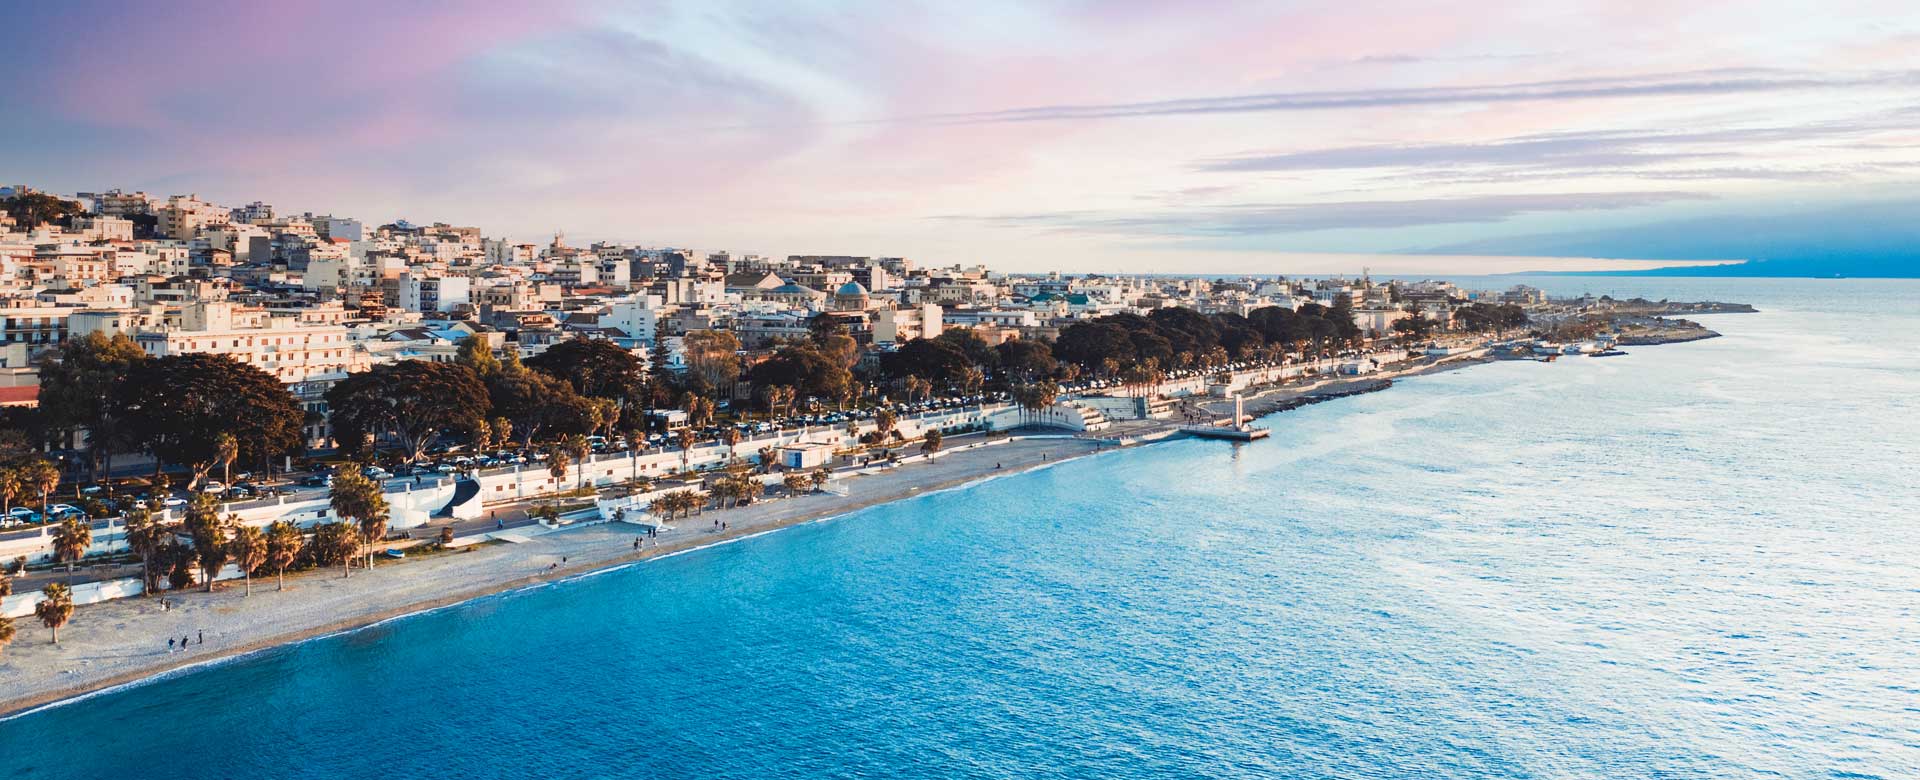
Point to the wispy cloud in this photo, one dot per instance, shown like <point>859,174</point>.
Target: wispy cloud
<point>1692,83</point>
<point>1243,220</point>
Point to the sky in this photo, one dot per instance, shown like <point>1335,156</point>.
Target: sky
<point>1083,135</point>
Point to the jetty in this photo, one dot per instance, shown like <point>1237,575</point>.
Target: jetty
<point>1236,429</point>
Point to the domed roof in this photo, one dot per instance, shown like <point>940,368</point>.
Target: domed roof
<point>790,288</point>
<point>851,289</point>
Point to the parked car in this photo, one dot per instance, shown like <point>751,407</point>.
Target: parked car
<point>59,511</point>
<point>318,480</point>
<point>375,472</point>
<point>23,514</point>
<point>173,502</point>
<point>214,486</point>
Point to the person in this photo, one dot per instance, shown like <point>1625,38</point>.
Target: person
<point>500,524</point>
<point>169,644</point>
<point>183,643</point>
<point>203,637</point>
<point>563,559</point>
<point>636,543</point>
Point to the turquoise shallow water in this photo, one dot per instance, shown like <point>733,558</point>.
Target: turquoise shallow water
<point>1694,561</point>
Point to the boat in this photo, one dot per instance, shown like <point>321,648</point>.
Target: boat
<point>393,553</point>
<point>1609,353</point>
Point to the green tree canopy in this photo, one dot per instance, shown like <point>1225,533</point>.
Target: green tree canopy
<point>595,367</point>
<point>79,381</point>
<point>409,402</point>
<point>177,406</point>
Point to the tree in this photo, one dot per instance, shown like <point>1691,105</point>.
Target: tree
<point>968,341</point>
<point>820,477</point>
<point>248,548</point>
<point>226,448</point>
<point>684,437</point>
<point>806,370</point>
<point>56,608</point>
<point>39,475</point>
<point>594,367</point>
<point>284,541</point>
<point>778,399</point>
<point>476,353</point>
<point>78,382</point>
<point>713,360</point>
<point>936,361</point>
<point>336,543</point>
<point>731,438</point>
<point>1026,360</point>
<point>795,482</point>
<point>70,542</point>
<point>932,443</point>
<point>209,531</point>
<point>6,623</point>
<point>358,499</point>
<point>535,403</point>
<point>33,209</point>
<point>176,407</point>
<point>559,457</point>
<point>410,402</point>
<point>883,420</point>
<point>144,537</point>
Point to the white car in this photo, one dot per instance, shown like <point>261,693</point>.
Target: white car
<point>61,510</point>
<point>173,502</point>
<point>214,486</point>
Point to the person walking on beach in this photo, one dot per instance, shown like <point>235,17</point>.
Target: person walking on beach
<point>169,645</point>
<point>183,643</point>
<point>203,637</point>
<point>636,543</point>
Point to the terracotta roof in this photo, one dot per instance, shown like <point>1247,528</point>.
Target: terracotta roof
<point>20,396</point>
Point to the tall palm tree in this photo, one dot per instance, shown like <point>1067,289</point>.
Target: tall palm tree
<point>284,541</point>
<point>6,623</point>
<point>56,608</point>
<point>685,439</point>
<point>358,499</point>
<point>209,532</point>
<point>732,438</point>
<point>40,476</point>
<point>558,459</point>
<point>226,448</point>
<point>70,542</point>
<point>146,536</point>
<point>336,542</point>
<point>795,482</point>
<point>820,477</point>
<point>576,446</point>
<point>249,549</point>
<point>11,487</point>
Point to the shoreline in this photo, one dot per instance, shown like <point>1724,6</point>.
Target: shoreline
<point>688,541</point>
<point>571,549</point>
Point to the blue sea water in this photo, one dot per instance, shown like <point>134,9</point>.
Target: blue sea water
<point>1695,561</point>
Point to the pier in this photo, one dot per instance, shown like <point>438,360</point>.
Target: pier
<point>1236,430</point>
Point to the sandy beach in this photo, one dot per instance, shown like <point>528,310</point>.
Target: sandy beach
<point>125,641</point>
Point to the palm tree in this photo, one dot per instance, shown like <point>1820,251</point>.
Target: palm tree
<point>725,490</point>
<point>249,549</point>
<point>11,487</point>
<point>883,420</point>
<point>6,632</point>
<point>209,532</point>
<point>795,482</point>
<point>576,446</point>
<point>226,448</point>
<point>932,443</point>
<point>820,477</point>
<point>766,459</point>
<point>284,541</point>
<point>732,438</point>
<point>41,476</point>
<point>685,439</point>
<point>147,537</point>
<point>558,460</point>
<point>336,542</point>
<point>357,498</point>
<point>56,608</point>
<point>70,542</point>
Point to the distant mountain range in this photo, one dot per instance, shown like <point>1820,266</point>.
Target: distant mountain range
<point>1874,240</point>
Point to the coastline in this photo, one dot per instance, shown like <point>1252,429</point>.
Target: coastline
<point>243,626</point>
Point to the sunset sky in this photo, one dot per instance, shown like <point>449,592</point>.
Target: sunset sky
<point>1121,135</point>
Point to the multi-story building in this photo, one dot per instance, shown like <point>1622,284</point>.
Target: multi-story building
<point>185,215</point>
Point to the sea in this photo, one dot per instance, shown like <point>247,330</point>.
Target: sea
<point>1692,561</point>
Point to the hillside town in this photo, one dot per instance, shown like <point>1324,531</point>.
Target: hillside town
<point>193,392</point>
